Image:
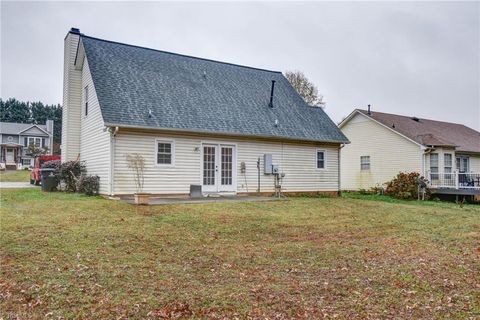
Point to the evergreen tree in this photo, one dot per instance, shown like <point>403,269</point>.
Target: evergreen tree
<point>13,110</point>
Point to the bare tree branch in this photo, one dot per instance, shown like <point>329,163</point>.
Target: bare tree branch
<point>306,89</point>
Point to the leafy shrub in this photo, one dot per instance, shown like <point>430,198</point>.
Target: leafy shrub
<point>88,184</point>
<point>404,186</point>
<point>69,173</point>
<point>378,190</point>
<point>52,164</point>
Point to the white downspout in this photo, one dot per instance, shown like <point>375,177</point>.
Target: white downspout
<point>339,169</point>
<point>113,133</point>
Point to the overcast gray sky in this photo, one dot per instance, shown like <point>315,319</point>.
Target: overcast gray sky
<point>418,59</point>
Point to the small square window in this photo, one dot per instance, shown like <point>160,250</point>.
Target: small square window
<point>364,162</point>
<point>320,159</point>
<point>164,153</point>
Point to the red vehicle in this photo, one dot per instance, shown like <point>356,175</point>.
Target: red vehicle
<point>35,176</point>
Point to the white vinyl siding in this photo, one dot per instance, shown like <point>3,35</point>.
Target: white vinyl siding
<point>389,154</point>
<point>474,163</point>
<point>72,96</point>
<point>95,146</point>
<point>296,160</point>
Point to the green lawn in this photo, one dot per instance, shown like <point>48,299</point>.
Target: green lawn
<point>15,176</point>
<point>71,256</point>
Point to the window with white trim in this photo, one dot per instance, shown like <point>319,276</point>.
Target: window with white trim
<point>447,162</point>
<point>364,163</point>
<point>37,142</point>
<point>85,97</point>
<point>165,152</point>
<point>321,159</point>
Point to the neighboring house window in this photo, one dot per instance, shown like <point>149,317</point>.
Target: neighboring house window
<point>364,162</point>
<point>447,162</point>
<point>434,165</point>
<point>26,161</point>
<point>37,142</point>
<point>86,100</point>
<point>462,164</point>
<point>320,159</point>
<point>165,152</point>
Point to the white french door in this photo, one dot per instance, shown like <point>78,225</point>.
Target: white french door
<point>218,168</point>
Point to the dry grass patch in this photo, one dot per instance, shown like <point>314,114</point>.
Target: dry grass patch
<point>71,256</point>
<point>15,176</point>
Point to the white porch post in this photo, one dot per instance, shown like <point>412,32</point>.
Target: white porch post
<point>456,179</point>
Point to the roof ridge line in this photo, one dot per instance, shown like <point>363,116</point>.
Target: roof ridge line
<point>428,119</point>
<point>179,54</point>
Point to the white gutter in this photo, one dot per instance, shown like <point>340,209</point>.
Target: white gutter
<point>221,133</point>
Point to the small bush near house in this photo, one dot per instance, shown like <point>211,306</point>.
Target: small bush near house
<point>52,164</point>
<point>69,173</point>
<point>88,185</point>
<point>404,186</point>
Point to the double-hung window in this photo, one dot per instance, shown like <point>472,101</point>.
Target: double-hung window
<point>448,165</point>
<point>37,142</point>
<point>165,152</point>
<point>364,163</point>
<point>321,159</point>
<point>448,162</point>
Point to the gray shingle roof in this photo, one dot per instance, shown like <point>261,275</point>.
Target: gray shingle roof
<point>16,128</point>
<point>194,94</point>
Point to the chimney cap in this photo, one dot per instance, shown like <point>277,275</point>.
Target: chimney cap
<point>75,30</point>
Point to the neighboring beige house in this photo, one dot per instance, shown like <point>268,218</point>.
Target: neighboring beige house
<point>15,139</point>
<point>225,127</point>
<point>382,145</point>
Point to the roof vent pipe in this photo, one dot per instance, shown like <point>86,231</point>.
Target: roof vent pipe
<point>271,94</point>
<point>369,112</point>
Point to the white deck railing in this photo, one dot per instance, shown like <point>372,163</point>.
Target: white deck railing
<point>455,180</point>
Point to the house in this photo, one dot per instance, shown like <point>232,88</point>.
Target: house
<point>226,127</point>
<point>383,144</point>
<point>15,139</point>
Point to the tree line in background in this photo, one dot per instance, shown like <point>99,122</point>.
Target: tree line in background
<point>13,110</point>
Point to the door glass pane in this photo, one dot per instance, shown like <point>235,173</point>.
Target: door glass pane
<point>465,165</point>
<point>208,166</point>
<point>227,166</point>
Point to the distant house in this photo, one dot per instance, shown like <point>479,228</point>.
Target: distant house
<point>195,122</point>
<point>383,144</point>
<point>15,139</point>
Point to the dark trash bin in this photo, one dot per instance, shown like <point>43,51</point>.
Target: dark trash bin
<point>49,180</point>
